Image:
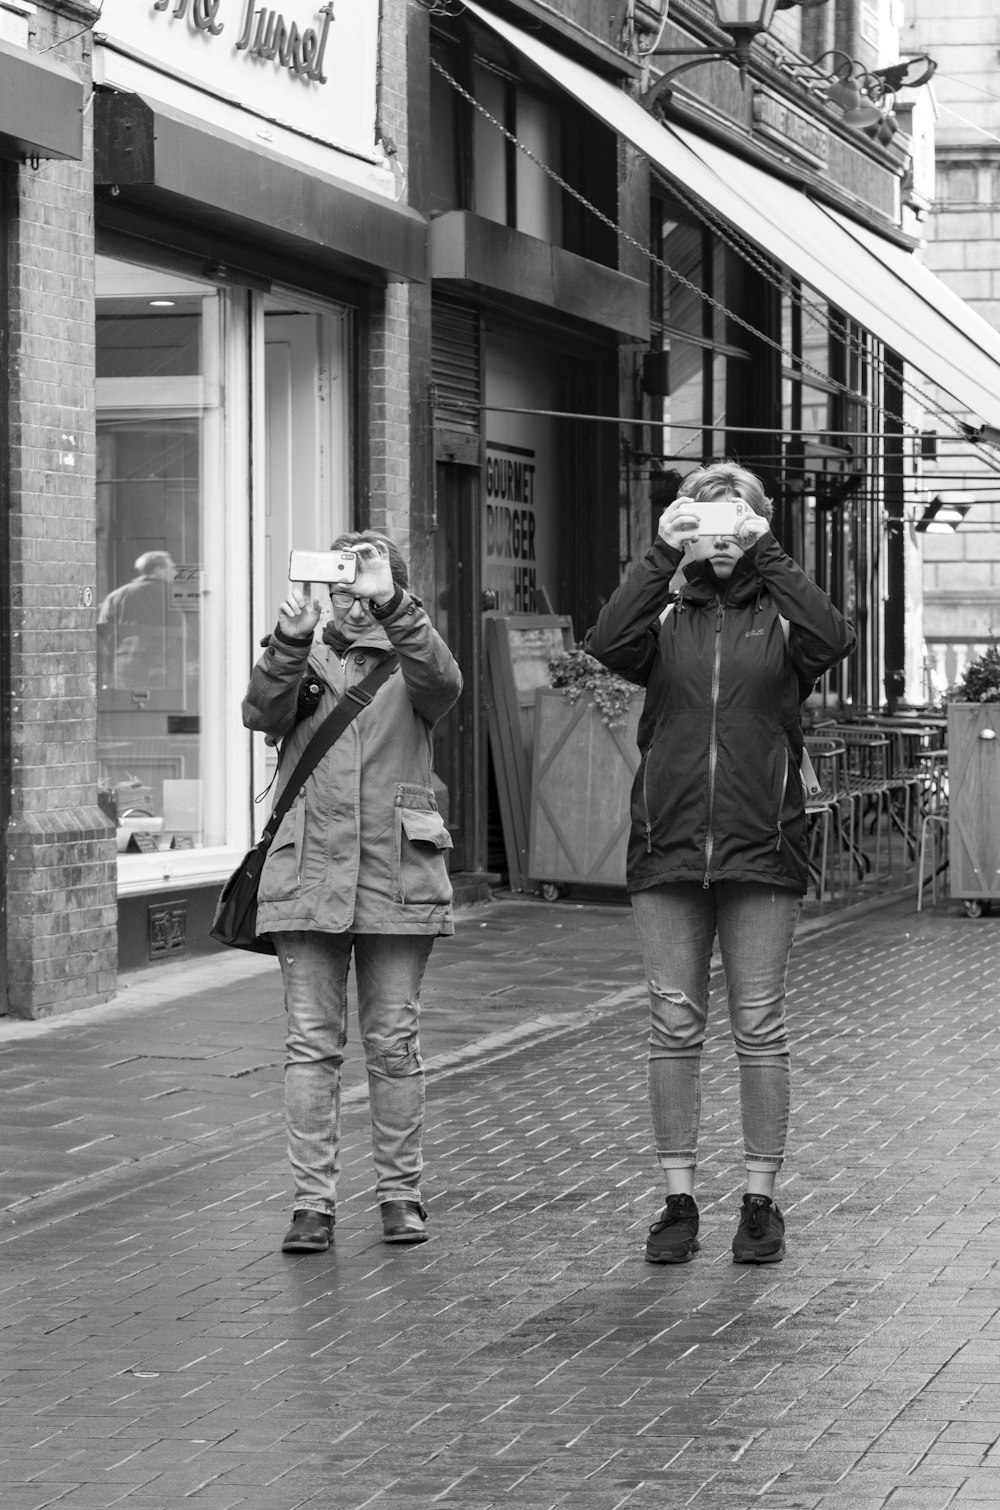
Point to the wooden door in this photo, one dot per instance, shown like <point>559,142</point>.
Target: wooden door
<point>459,740</point>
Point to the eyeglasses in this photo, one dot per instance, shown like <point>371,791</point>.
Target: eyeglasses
<point>344,599</point>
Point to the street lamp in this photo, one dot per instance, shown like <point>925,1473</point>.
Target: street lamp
<point>741,19</point>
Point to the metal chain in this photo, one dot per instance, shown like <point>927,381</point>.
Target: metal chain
<point>679,277</point>
<point>820,312</point>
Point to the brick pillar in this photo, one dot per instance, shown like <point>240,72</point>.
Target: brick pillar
<point>60,848</point>
<point>389,352</point>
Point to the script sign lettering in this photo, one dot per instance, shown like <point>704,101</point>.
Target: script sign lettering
<point>310,66</point>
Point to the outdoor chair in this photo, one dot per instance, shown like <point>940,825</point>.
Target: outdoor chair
<point>933,827</point>
<point>831,810</point>
<point>912,761</point>
<point>870,784</point>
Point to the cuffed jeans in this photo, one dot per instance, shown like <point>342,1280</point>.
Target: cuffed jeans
<point>677,927</point>
<point>390,968</point>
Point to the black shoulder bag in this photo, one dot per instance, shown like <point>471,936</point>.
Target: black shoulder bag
<point>235,922</point>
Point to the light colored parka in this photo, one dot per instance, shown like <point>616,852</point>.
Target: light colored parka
<point>362,849</point>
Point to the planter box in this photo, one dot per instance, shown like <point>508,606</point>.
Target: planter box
<point>581,782</point>
<point>974,800</point>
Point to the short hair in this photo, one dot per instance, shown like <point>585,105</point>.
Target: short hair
<point>154,561</point>
<point>397,561</point>
<point>722,477</point>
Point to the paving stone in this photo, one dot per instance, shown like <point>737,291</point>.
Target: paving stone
<point>158,1348</point>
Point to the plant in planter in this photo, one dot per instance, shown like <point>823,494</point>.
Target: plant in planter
<point>576,674</point>
<point>980,682</point>
<point>585,759</point>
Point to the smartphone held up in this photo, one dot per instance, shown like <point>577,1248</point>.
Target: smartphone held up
<point>719,516</point>
<point>323,566</point>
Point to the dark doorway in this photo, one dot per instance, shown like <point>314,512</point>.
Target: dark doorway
<point>460,739</point>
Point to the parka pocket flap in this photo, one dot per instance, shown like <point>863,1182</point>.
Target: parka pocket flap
<point>424,827</point>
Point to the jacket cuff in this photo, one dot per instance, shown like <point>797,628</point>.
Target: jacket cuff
<point>386,610</point>
<point>297,642</point>
<point>664,554</point>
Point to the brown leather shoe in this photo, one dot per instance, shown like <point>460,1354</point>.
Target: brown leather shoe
<point>310,1232</point>
<point>403,1222</point>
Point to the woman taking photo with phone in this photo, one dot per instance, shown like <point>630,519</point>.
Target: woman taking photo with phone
<point>357,871</point>
<point>717,844</point>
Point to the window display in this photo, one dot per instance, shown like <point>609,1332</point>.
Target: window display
<point>193,540</point>
<point>159,436</point>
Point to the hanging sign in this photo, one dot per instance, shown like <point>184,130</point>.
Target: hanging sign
<point>304,64</point>
<point>509,563</point>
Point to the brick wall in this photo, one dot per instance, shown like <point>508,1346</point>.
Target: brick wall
<point>388,356</point>
<point>60,849</point>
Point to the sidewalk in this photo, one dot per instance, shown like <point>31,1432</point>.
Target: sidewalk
<point>160,1351</point>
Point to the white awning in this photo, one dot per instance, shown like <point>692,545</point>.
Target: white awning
<point>870,279</point>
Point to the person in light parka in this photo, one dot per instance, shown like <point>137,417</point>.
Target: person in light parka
<point>717,845</point>
<point>357,872</point>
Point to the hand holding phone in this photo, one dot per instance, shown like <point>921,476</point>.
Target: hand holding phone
<point>332,567</point>
<point>720,516</point>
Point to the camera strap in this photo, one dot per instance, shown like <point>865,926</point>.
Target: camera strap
<point>351,704</point>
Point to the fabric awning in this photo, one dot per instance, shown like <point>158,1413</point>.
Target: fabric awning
<point>869,278</point>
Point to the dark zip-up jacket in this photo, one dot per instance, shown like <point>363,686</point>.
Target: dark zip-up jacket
<point>718,796</point>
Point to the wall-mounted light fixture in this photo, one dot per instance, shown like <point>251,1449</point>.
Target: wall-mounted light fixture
<point>741,19</point>
<point>981,434</point>
<point>865,96</point>
<point>897,75</point>
<point>942,516</point>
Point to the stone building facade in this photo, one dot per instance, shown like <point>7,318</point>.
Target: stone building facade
<point>961,574</point>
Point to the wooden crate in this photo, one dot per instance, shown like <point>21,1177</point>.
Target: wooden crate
<point>518,650</point>
<point>974,800</point>
<point>581,784</point>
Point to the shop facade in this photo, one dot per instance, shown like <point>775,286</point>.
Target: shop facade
<point>787,322</point>
<point>445,269</point>
<point>243,385</point>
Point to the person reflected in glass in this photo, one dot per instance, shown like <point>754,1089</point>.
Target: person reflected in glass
<point>357,871</point>
<point>717,846</point>
<point>135,628</point>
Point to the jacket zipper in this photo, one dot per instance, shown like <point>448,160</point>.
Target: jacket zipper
<point>713,743</point>
<point>645,803</point>
<point>781,800</point>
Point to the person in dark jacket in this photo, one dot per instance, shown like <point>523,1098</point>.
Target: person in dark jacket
<point>356,870</point>
<point>718,844</point>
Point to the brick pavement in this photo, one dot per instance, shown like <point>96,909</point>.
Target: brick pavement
<point>159,1352</point>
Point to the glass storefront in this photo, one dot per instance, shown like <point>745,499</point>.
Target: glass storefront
<point>223,424</point>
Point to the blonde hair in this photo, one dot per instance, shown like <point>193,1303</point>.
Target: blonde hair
<point>723,477</point>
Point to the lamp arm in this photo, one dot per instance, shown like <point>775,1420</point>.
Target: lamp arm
<point>664,85</point>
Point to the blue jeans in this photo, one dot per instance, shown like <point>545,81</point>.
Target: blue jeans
<point>677,926</point>
<point>390,968</point>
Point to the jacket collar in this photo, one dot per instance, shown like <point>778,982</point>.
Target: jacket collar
<point>702,586</point>
<point>374,638</point>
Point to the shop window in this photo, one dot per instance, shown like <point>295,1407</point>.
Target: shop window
<point>159,450</point>
<point>475,166</point>
<point>509,186</point>
<point>187,528</point>
<point>695,283</point>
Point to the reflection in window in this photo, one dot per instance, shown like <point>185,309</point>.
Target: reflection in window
<point>158,439</point>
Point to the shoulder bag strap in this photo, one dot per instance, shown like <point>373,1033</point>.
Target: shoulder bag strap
<point>329,731</point>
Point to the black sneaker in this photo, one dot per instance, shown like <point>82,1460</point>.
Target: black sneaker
<point>310,1232</point>
<point>760,1237</point>
<point>673,1237</point>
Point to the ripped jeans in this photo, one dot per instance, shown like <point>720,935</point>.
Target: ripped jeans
<point>677,926</point>
<point>390,968</point>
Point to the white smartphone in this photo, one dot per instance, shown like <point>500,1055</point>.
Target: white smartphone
<point>719,516</point>
<point>323,566</point>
